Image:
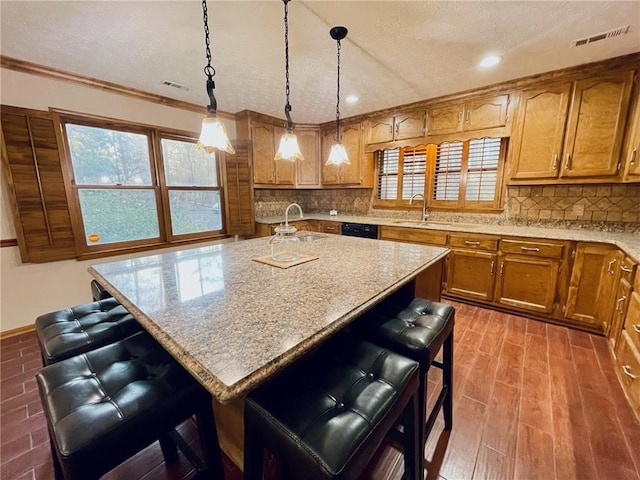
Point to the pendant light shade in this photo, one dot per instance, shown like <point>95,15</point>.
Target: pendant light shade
<point>213,135</point>
<point>288,149</point>
<point>338,154</point>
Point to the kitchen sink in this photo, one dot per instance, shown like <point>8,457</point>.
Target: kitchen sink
<point>417,223</point>
<point>310,237</point>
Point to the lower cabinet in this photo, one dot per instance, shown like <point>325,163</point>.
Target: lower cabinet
<point>471,274</point>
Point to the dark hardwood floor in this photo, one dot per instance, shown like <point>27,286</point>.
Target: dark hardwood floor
<point>532,401</point>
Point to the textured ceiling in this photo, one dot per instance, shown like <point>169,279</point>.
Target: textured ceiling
<point>395,53</point>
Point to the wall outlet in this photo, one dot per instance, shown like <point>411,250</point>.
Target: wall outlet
<point>578,210</point>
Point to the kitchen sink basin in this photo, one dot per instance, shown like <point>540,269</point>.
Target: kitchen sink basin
<point>310,237</point>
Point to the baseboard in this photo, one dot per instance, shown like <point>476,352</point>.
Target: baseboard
<point>17,331</point>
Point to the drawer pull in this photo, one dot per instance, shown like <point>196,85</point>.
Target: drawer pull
<point>625,269</point>
<point>530,249</point>
<point>329,228</point>
<point>619,303</point>
<point>636,327</point>
<point>610,267</point>
<point>627,371</point>
<point>469,242</point>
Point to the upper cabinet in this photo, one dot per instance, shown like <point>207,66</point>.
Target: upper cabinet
<point>631,149</point>
<point>399,127</point>
<point>266,171</point>
<point>346,175</point>
<point>308,170</point>
<point>589,147</point>
<point>474,114</point>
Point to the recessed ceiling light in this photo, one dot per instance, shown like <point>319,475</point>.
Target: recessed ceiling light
<point>490,60</point>
<point>351,99</point>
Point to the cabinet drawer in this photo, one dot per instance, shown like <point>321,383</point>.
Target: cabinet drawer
<point>628,365</point>
<point>632,320</point>
<point>473,242</point>
<point>626,269</point>
<point>330,227</point>
<point>413,235</point>
<point>535,248</point>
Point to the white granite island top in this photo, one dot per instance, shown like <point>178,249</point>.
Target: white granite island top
<point>233,322</point>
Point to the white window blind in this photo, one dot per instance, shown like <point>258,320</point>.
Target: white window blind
<point>414,167</point>
<point>388,169</point>
<point>448,171</point>
<point>482,169</point>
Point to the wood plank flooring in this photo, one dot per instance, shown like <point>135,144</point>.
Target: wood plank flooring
<point>531,401</point>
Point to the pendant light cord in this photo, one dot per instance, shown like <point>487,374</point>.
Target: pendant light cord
<point>338,98</point>
<point>287,107</point>
<point>209,71</point>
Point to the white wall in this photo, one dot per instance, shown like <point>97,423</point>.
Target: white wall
<point>28,290</point>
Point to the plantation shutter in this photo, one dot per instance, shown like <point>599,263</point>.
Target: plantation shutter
<point>33,173</point>
<point>482,169</point>
<point>413,171</point>
<point>238,191</point>
<point>447,172</point>
<point>388,170</point>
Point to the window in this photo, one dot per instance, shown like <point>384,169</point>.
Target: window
<point>135,186</point>
<point>457,175</point>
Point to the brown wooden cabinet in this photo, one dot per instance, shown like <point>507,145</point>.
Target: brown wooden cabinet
<point>622,298</point>
<point>308,170</point>
<point>471,274</point>
<point>337,175</point>
<point>589,147</point>
<point>400,127</point>
<point>413,235</point>
<point>474,114</point>
<point>328,226</point>
<point>631,149</point>
<point>266,171</point>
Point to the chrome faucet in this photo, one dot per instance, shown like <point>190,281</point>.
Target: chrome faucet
<point>286,213</point>
<point>425,212</point>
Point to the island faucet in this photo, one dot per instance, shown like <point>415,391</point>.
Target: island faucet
<point>425,212</point>
<point>286,213</point>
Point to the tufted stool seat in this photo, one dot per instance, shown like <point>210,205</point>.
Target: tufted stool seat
<point>104,406</point>
<point>326,417</point>
<point>418,330</point>
<point>78,329</point>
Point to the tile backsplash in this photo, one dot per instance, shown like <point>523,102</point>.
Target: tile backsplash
<point>602,207</point>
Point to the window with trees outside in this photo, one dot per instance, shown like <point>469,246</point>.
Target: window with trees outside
<point>458,175</point>
<point>135,186</point>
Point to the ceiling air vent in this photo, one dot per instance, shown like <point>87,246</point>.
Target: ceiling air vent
<point>174,85</point>
<point>616,32</point>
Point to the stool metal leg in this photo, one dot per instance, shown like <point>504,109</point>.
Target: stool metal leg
<point>447,379</point>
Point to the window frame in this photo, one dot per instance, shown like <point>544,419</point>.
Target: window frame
<point>158,186</point>
<point>398,201</point>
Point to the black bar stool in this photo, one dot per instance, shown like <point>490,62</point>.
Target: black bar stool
<point>326,417</point>
<point>418,330</point>
<point>104,406</point>
<point>82,328</point>
<point>98,292</point>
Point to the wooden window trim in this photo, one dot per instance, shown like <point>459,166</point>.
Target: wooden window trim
<point>158,184</point>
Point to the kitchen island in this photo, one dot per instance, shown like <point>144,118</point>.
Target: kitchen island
<point>233,322</point>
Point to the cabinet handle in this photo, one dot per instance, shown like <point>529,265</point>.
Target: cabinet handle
<point>625,269</point>
<point>610,267</point>
<point>501,268</point>
<point>460,116</point>
<point>397,130</point>
<point>627,371</point>
<point>468,115</point>
<point>619,303</point>
<point>493,264</point>
<point>530,249</point>
<point>469,242</point>
<point>329,228</point>
<point>636,327</point>
<point>633,156</point>
<point>567,164</point>
<point>555,162</point>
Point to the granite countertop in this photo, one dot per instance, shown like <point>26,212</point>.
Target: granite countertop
<point>629,242</point>
<point>233,322</point>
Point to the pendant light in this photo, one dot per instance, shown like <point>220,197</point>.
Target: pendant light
<point>213,135</point>
<point>338,154</point>
<point>289,149</point>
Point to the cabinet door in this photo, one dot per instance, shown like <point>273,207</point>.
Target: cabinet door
<point>263,152</point>
<point>536,147</point>
<point>608,286</point>
<point>410,125</point>
<point>444,119</point>
<point>631,152</point>
<point>330,173</point>
<point>619,311</point>
<point>588,274</point>
<point>527,283</point>
<point>284,170</point>
<point>380,130</point>
<point>471,274</point>
<point>308,170</point>
<point>352,141</point>
<point>486,112</point>
<point>596,126</point>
